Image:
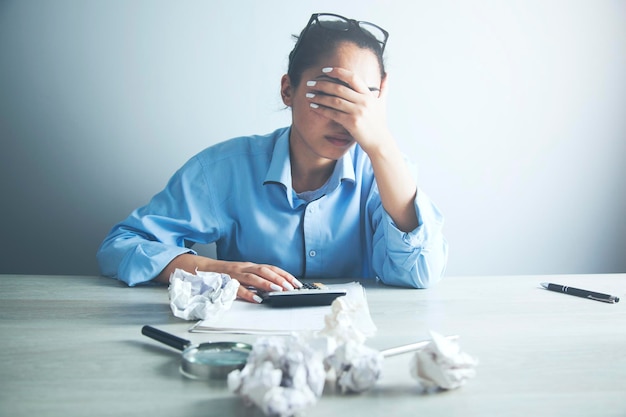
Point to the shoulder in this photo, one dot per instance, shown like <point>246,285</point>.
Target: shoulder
<point>240,159</point>
<point>240,149</point>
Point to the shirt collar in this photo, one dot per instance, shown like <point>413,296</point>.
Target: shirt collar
<point>280,165</point>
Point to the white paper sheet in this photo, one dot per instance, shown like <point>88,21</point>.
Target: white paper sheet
<point>248,318</point>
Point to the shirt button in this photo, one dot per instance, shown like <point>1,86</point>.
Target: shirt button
<point>312,253</point>
<point>311,209</point>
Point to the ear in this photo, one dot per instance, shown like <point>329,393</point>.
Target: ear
<point>286,90</point>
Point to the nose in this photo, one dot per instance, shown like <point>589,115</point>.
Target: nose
<point>336,126</point>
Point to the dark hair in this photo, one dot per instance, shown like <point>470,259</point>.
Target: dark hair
<point>316,41</point>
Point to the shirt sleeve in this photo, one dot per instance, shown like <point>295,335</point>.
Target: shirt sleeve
<point>140,247</point>
<point>415,259</point>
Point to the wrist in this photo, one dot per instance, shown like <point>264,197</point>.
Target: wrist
<point>385,151</point>
<point>190,263</point>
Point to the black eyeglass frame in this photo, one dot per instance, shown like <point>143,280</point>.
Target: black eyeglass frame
<point>350,23</point>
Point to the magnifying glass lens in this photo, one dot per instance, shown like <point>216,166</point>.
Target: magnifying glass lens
<point>218,357</point>
<point>214,360</point>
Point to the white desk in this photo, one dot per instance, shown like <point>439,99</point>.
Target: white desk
<point>71,346</point>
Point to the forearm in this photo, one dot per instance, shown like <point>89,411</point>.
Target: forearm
<point>416,259</point>
<point>190,263</point>
<point>396,185</point>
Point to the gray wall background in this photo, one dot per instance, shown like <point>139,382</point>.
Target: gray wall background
<point>514,111</point>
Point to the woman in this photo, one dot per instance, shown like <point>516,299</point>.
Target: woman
<point>329,196</point>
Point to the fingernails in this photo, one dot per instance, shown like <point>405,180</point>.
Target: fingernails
<point>309,95</point>
<point>276,287</point>
<point>257,298</point>
<point>297,283</point>
<point>311,83</point>
<point>327,69</point>
<point>315,106</point>
<point>288,286</point>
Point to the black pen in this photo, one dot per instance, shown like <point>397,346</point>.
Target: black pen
<point>580,293</point>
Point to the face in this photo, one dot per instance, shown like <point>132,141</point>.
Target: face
<point>316,140</point>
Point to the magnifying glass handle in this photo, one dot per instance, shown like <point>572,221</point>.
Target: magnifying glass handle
<point>164,337</point>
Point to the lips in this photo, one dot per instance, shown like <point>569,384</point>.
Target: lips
<point>339,139</point>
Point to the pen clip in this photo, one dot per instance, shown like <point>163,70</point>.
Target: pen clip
<point>610,299</point>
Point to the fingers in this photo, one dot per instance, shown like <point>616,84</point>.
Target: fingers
<point>246,294</point>
<point>338,93</point>
<point>330,95</point>
<point>277,276</point>
<point>347,79</point>
<point>342,83</point>
<point>263,277</point>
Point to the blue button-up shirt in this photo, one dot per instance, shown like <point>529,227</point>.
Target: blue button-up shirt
<point>238,194</point>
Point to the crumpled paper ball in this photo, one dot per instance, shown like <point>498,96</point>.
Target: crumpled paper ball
<point>202,295</point>
<point>354,366</point>
<point>442,364</point>
<point>283,376</point>
<point>357,367</point>
<point>340,326</point>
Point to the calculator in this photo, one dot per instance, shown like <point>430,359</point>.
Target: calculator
<point>311,294</point>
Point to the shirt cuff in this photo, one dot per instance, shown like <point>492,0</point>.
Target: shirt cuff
<point>429,224</point>
<point>146,261</point>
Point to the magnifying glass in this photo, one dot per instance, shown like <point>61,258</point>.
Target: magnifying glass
<point>210,360</point>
